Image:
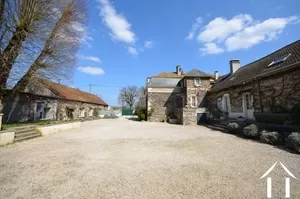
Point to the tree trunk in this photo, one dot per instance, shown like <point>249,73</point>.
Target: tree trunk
<point>10,54</point>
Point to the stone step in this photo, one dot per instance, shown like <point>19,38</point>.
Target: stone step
<point>217,128</point>
<point>25,130</point>
<point>27,136</point>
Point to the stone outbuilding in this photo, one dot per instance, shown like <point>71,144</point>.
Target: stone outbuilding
<point>46,100</point>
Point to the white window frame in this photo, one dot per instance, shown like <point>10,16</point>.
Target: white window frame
<point>195,81</point>
<point>226,103</point>
<point>82,112</point>
<point>191,100</point>
<point>91,112</point>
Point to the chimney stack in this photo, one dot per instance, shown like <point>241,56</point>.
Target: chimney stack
<point>234,65</point>
<point>216,73</point>
<point>178,70</point>
<point>148,81</point>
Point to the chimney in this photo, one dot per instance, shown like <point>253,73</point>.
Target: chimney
<point>148,81</point>
<point>216,73</point>
<point>234,65</point>
<point>178,70</point>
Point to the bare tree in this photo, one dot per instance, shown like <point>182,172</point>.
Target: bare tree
<point>38,38</point>
<point>141,101</point>
<point>128,96</point>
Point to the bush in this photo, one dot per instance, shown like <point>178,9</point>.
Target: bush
<point>96,112</point>
<point>273,138</point>
<point>251,131</point>
<point>233,128</point>
<point>278,118</point>
<point>141,116</point>
<point>141,113</point>
<point>293,142</point>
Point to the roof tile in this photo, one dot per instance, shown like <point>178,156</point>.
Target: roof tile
<point>73,94</point>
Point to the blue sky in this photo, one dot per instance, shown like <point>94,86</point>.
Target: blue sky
<point>128,40</point>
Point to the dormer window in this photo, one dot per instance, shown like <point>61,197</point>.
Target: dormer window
<point>280,60</point>
<point>197,81</point>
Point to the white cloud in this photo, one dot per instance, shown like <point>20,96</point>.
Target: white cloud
<point>91,70</point>
<point>132,50</point>
<point>240,32</point>
<point>267,30</point>
<point>196,25</point>
<point>148,44</point>
<point>118,24</point>
<point>220,28</point>
<point>91,58</point>
<point>211,48</point>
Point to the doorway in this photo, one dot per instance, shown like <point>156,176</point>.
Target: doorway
<point>248,106</point>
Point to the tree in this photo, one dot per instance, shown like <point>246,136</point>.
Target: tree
<point>128,96</point>
<point>141,101</point>
<point>38,38</point>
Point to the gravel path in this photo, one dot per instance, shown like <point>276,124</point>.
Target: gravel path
<point>127,159</point>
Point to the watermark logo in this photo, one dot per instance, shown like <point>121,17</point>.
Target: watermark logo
<point>287,181</point>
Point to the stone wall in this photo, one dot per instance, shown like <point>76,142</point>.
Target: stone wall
<point>76,106</point>
<point>24,109</point>
<point>164,104</point>
<point>235,99</point>
<point>198,91</point>
<point>279,93</point>
<point>189,116</point>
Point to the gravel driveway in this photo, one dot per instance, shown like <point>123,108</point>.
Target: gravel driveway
<point>128,159</point>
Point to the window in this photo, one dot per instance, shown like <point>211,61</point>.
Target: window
<point>193,101</point>
<point>249,101</point>
<point>219,104</point>
<point>280,60</point>
<point>81,112</point>
<point>46,110</point>
<point>91,112</point>
<point>39,106</point>
<point>70,113</point>
<point>226,103</point>
<point>197,81</point>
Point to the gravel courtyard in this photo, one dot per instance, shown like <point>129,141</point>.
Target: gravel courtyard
<point>128,159</point>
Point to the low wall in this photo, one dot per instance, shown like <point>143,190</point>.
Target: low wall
<point>7,138</point>
<point>47,130</point>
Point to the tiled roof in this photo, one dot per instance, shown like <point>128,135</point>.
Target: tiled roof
<point>168,75</point>
<point>261,66</point>
<point>193,73</point>
<point>72,94</point>
<point>197,73</point>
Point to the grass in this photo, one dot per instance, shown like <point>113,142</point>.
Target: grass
<point>35,123</point>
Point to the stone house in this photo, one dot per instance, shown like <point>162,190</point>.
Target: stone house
<point>267,87</point>
<point>178,94</point>
<point>46,100</point>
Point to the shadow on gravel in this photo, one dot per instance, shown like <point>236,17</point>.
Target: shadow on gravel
<point>133,119</point>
